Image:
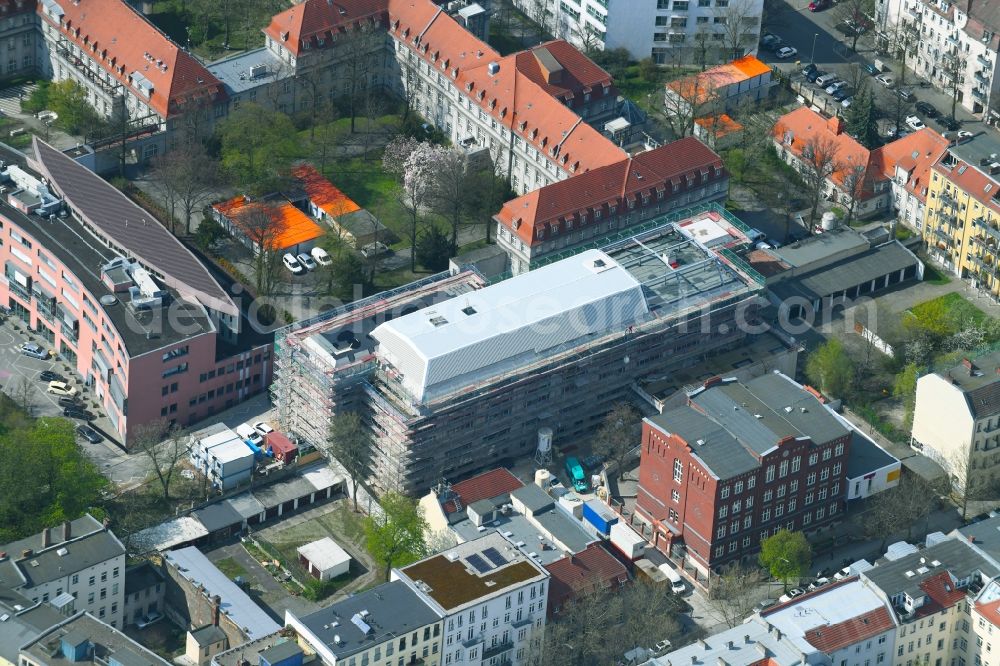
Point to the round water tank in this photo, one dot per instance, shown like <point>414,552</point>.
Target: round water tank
<point>108,299</point>
<point>545,440</point>
<point>830,220</point>
<point>542,478</point>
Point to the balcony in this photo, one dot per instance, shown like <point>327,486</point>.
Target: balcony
<point>947,200</point>
<point>111,89</point>
<point>944,237</point>
<point>979,94</point>
<point>984,62</point>
<point>984,242</point>
<point>914,11</point>
<point>19,291</point>
<point>982,76</point>
<point>497,649</point>
<point>991,229</point>
<point>987,266</point>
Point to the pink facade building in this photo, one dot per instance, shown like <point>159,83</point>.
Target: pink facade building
<point>141,319</point>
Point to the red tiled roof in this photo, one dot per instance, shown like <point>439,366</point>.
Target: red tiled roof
<point>970,179</point>
<point>303,25</point>
<point>123,42</point>
<point>833,637</point>
<point>942,591</point>
<point>646,173</point>
<point>990,611</point>
<point>489,484</point>
<point>915,154</point>
<point>579,76</point>
<point>591,569</point>
<point>322,192</point>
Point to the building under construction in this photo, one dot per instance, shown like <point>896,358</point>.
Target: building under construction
<point>453,375</point>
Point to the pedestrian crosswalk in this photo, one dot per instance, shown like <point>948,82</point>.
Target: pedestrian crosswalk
<point>10,98</point>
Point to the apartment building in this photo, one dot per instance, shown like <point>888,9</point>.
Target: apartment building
<point>119,298</point>
<point>907,163</point>
<point>737,464</point>
<point>956,419</point>
<point>18,38</point>
<point>807,141</point>
<point>452,375</point>
<point>78,566</point>
<point>84,639</point>
<point>947,39</point>
<point>569,214</point>
<point>668,31</point>
<point>491,597</point>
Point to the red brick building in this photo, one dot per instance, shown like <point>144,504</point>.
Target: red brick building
<point>735,465</point>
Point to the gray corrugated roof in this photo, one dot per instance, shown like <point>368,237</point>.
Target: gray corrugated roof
<point>568,532</point>
<point>533,497</point>
<point>720,451</point>
<point>393,610</point>
<point>818,247</point>
<point>954,556</point>
<point>83,553</point>
<point>218,516</point>
<point>284,491</point>
<point>847,273</point>
<point>865,456</point>
<point>208,635</point>
<point>119,218</point>
<point>246,505</point>
<point>985,535</point>
<point>21,628</point>
<point>113,644</point>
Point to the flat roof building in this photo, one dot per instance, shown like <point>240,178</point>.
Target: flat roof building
<point>427,360</point>
<point>83,638</point>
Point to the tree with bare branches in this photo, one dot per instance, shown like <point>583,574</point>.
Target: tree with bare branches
<point>360,46</point>
<point>261,224</point>
<point>734,592</point>
<point>163,444</point>
<point>739,19</point>
<point>687,99</point>
<point>186,176</point>
<point>618,435</point>
<point>819,162</point>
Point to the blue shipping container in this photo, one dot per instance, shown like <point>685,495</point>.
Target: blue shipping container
<point>599,515</point>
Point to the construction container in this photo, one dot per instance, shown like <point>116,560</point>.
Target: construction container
<point>626,540</point>
<point>599,516</point>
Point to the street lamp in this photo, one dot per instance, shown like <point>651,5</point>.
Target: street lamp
<point>812,58</point>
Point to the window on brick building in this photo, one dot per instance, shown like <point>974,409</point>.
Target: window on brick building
<point>724,493</point>
<point>813,458</point>
<point>796,464</point>
<point>675,496</point>
<point>769,474</point>
<point>839,449</point>
<point>678,470</point>
<point>783,469</point>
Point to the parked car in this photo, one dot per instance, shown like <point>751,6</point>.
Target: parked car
<point>818,5</point>
<point>818,583</point>
<point>812,76</point>
<point>886,79</point>
<point>34,351</point>
<point>69,401</point>
<point>842,574</point>
<point>808,69</point>
<point>762,605</point>
<point>928,110</point>
<point>771,42</point>
<point>374,249</point>
<point>841,94</point>
<point>662,646</point>
<point>89,434</point>
<point>965,134</point>
<point>61,388</point>
<point>262,428</point>
<point>320,256</point>
<point>825,80</point>
<point>871,69</point>
<point>846,103</point>
<point>307,261</point>
<point>148,620</point>
<point>786,52</point>
<point>49,376</point>
<point>292,264</point>
<point>78,413</point>
<point>905,95</point>
<point>915,122</point>
<point>950,123</point>
<point>791,594</point>
<point>592,463</point>
<point>835,86</point>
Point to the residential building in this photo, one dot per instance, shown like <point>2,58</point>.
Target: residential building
<point>523,513</point>
<point>491,596</point>
<point>144,591</point>
<point>204,643</point>
<point>737,464</point>
<point>962,225</point>
<point>949,39</point>
<point>84,639</point>
<point>668,32</point>
<point>24,624</point>
<point>907,164</point>
<point>391,621</point>
<point>78,566</point>
<point>719,89</point>
<point>120,299</point>
<point>199,595</point>
<point>591,570</point>
<point>19,38</point>
<point>983,537</point>
<point>571,214</point>
<point>956,416</point>
<point>808,142</point>
<point>984,617</point>
<point>931,592</point>
<point>846,621</point>
<point>452,375</point>
<point>220,454</point>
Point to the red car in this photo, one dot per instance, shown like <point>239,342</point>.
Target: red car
<point>818,5</point>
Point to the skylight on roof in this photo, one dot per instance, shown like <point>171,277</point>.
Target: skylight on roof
<point>469,310</point>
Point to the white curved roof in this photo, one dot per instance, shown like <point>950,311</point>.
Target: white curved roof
<point>468,337</point>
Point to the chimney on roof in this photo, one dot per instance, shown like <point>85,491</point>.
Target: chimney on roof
<point>712,381</point>
<point>67,530</point>
<point>746,639</point>
<point>26,553</point>
<point>702,643</point>
<point>216,607</point>
<point>46,537</point>
<point>968,366</point>
<point>835,125</point>
<point>786,440</point>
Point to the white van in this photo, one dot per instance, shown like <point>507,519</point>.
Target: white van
<point>676,582</point>
<point>247,431</point>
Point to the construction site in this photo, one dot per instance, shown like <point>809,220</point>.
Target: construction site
<point>454,375</point>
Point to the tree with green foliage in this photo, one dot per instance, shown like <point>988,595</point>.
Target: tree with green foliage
<point>862,118</point>
<point>45,478</point>
<point>395,535</point>
<point>69,100</point>
<point>257,148</point>
<point>208,233</point>
<point>350,444</point>
<point>618,435</point>
<point>433,249</point>
<point>38,100</point>
<point>786,555</point>
<point>830,368</point>
<point>905,388</point>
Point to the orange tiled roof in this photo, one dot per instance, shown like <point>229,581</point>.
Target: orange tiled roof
<point>991,611</point>
<point>795,129</point>
<point>699,88</point>
<point>969,178</point>
<point>942,592</point>
<point>296,226</point>
<point>580,76</point>
<point>915,154</point>
<point>592,569</point>
<point>647,174</point>
<point>833,637</point>
<point>322,192</point>
<point>750,66</point>
<point>721,124</point>
<point>124,43</point>
<point>305,25</point>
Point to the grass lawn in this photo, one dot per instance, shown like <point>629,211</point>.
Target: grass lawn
<point>231,568</point>
<point>945,315</point>
<point>934,275</point>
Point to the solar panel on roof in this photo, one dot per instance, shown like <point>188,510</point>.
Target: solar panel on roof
<point>478,563</point>
<point>494,556</point>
